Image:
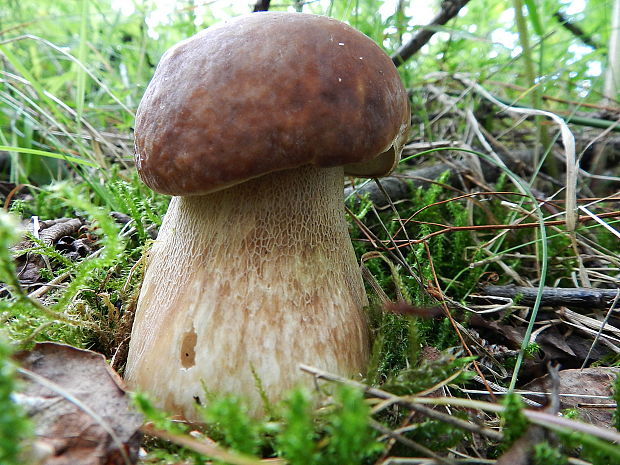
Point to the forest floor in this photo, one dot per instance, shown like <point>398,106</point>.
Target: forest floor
<point>491,259</point>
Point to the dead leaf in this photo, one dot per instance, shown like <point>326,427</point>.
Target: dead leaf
<point>568,349</point>
<point>498,332</point>
<point>49,232</point>
<point>81,412</point>
<point>586,390</point>
<point>73,248</point>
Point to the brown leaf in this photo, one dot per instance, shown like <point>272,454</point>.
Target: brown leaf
<point>29,265</point>
<point>555,345</point>
<point>28,268</point>
<point>77,403</point>
<point>584,384</point>
<point>510,336</point>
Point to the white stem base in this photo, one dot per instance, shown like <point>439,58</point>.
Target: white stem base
<point>257,278</point>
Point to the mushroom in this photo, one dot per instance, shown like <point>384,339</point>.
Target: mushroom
<point>251,125</point>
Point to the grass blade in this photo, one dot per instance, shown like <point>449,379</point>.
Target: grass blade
<point>43,153</point>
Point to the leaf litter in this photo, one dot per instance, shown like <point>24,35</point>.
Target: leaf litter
<point>81,412</point>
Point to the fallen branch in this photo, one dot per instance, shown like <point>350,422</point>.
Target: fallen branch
<point>575,30</point>
<point>449,9</point>
<point>261,5</point>
<point>554,296</point>
<point>398,187</point>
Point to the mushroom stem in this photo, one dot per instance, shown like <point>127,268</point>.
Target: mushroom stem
<point>257,278</point>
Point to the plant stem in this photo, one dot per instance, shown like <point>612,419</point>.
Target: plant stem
<point>530,77</point>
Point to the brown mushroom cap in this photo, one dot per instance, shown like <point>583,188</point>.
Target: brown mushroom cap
<point>268,92</point>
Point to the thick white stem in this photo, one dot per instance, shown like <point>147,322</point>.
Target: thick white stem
<point>258,277</point>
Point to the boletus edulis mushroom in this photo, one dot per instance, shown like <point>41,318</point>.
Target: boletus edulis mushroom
<point>251,126</point>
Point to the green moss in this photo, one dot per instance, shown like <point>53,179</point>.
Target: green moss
<point>297,439</point>
<point>435,435</point>
<point>348,434</point>
<point>546,454</point>
<point>14,426</point>
<point>429,373</point>
<point>616,397</point>
<point>514,423</point>
<point>394,348</point>
<point>339,435</point>
<point>230,424</point>
<point>592,449</point>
